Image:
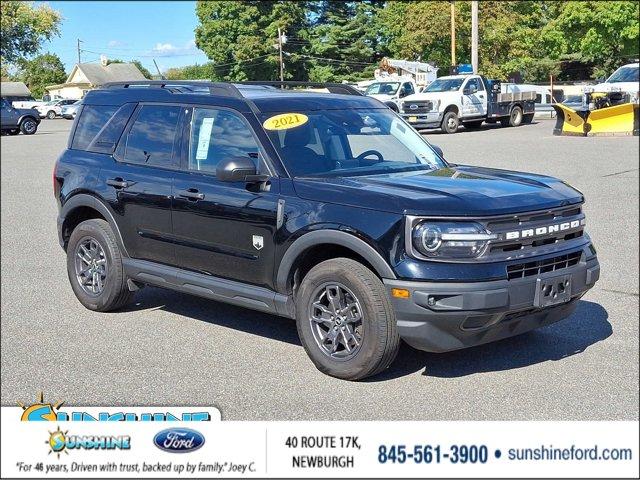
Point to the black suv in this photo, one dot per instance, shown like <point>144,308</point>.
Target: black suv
<point>324,207</point>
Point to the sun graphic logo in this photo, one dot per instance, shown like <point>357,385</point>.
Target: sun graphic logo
<point>40,411</point>
<point>57,442</point>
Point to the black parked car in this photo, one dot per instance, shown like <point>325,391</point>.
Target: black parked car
<point>326,208</point>
<point>16,120</point>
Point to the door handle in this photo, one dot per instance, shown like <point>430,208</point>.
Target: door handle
<point>119,182</point>
<point>481,96</point>
<point>191,194</point>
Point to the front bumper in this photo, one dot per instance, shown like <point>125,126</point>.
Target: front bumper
<point>423,120</point>
<point>439,317</point>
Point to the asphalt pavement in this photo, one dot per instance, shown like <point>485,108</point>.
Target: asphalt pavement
<point>174,349</point>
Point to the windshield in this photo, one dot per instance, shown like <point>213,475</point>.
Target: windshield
<point>624,74</point>
<point>445,85</point>
<point>342,143</point>
<point>384,88</point>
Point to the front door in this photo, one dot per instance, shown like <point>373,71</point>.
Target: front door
<point>223,229</point>
<point>474,104</point>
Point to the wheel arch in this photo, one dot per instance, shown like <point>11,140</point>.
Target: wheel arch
<point>35,118</point>
<point>392,105</point>
<point>81,207</point>
<point>328,244</point>
<point>452,108</point>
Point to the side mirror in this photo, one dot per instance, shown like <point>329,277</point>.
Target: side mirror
<point>438,150</point>
<point>238,169</point>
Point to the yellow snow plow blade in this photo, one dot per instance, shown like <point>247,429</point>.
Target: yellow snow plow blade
<point>569,121</point>
<point>617,120</point>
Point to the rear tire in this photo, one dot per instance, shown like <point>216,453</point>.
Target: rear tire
<point>14,131</point>
<point>332,296</point>
<point>450,122</point>
<point>515,118</point>
<point>94,267</point>
<point>28,126</point>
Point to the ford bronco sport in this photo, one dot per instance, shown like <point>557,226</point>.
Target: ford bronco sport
<point>326,208</point>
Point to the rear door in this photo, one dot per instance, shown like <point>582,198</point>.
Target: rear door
<point>138,183</point>
<point>224,229</point>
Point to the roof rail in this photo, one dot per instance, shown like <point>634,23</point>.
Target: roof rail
<point>331,86</point>
<point>181,86</point>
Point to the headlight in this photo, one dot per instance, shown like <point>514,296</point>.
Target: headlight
<point>435,239</point>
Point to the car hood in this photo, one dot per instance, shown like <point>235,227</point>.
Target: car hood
<point>381,96</point>
<point>452,191</point>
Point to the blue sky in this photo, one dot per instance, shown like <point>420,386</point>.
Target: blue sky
<point>127,30</point>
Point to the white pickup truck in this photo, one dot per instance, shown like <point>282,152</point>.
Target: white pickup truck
<point>469,100</point>
<point>391,91</point>
<point>35,103</point>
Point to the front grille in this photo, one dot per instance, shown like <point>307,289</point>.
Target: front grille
<point>529,269</point>
<point>417,106</point>
<point>535,222</point>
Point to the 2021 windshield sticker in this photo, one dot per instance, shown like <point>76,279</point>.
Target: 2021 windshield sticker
<point>285,121</point>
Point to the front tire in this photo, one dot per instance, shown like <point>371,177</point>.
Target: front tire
<point>94,267</point>
<point>345,320</point>
<point>28,126</point>
<point>51,114</point>
<point>450,122</point>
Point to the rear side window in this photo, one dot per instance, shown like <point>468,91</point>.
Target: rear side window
<point>152,136</point>
<point>91,121</point>
<point>107,138</point>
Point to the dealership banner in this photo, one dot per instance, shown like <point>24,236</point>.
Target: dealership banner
<point>56,440</point>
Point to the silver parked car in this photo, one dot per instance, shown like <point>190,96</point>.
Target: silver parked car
<point>69,111</point>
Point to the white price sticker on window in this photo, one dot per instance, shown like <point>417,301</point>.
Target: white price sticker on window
<point>204,137</point>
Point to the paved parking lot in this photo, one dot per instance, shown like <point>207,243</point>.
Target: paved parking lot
<point>173,349</point>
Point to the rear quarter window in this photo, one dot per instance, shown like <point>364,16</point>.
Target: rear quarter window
<point>91,120</point>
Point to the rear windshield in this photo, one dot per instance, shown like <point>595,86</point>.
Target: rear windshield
<point>342,143</point>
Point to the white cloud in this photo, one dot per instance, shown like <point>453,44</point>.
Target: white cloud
<point>115,43</point>
<point>171,50</point>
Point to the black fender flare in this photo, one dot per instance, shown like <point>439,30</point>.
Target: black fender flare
<point>86,200</point>
<point>35,117</point>
<point>392,105</point>
<point>336,237</point>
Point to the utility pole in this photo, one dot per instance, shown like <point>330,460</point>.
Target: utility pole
<point>159,72</point>
<point>280,48</point>
<point>453,34</point>
<point>79,42</point>
<point>474,35</point>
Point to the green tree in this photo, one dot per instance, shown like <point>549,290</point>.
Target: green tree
<point>41,71</point>
<point>191,72</point>
<point>146,73</point>
<point>344,42</point>
<point>24,27</point>
<point>239,37</point>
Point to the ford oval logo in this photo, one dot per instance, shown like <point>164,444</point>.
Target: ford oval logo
<point>178,440</point>
<point>413,107</point>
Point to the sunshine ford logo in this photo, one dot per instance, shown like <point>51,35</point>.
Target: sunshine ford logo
<point>60,442</point>
<point>178,440</point>
<point>41,411</point>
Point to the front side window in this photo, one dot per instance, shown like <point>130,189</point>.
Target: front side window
<point>342,143</point>
<point>382,88</point>
<point>151,139</point>
<point>475,82</point>
<point>218,135</point>
<point>445,85</point>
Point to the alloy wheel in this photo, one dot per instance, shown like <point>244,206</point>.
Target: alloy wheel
<point>335,316</point>
<point>30,126</point>
<point>91,266</point>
